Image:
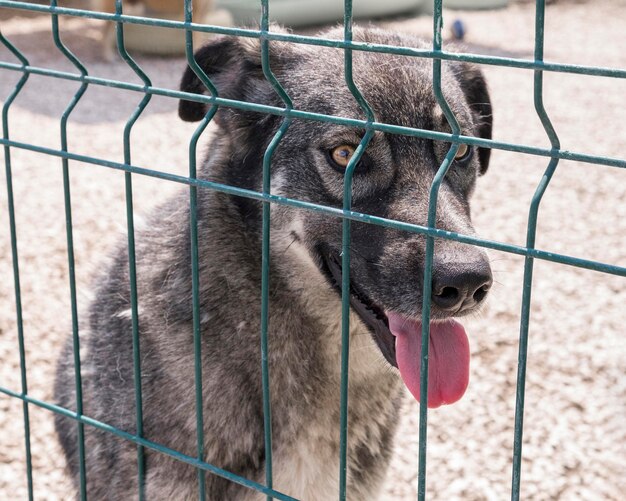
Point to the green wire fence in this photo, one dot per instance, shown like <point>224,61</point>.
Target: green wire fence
<point>146,90</point>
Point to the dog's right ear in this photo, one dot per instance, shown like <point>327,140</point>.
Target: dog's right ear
<point>228,62</point>
<point>474,88</point>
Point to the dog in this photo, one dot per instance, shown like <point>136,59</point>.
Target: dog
<point>391,180</point>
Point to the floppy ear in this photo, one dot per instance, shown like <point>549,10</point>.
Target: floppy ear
<point>474,88</point>
<point>230,64</point>
<point>214,59</point>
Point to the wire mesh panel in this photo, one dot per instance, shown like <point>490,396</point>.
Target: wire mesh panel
<point>288,113</point>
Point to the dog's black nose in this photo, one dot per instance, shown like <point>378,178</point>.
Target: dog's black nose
<point>458,287</point>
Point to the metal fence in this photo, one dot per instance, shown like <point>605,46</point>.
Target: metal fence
<point>370,125</point>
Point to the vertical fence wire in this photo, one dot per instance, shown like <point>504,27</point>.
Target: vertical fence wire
<point>345,252</point>
<point>132,268</point>
<point>529,261</point>
<point>430,247</point>
<point>193,232</point>
<point>195,291</point>
<point>265,251</point>
<point>15,257</point>
<point>70,249</point>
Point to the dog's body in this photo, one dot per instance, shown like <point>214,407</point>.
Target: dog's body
<point>392,181</point>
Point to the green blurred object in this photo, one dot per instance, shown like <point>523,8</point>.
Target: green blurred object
<point>308,12</point>
<point>171,42</point>
<point>467,5</point>
<point>474,4</point>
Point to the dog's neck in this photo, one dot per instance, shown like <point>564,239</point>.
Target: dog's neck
<point>294,276</point>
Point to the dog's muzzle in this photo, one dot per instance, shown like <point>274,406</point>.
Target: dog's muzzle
<point>371,314</point>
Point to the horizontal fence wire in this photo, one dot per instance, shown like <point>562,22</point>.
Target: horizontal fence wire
<point>589,264</point>
<point>320,41</point>
<point>369,125</point>
<point>148,444</point>
<point>320,117</point>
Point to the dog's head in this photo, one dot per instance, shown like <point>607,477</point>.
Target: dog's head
<point>392,180</point>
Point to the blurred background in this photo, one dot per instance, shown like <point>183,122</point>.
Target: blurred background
<point>575,433</point>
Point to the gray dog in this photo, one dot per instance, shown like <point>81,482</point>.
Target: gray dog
<point>392,180</point>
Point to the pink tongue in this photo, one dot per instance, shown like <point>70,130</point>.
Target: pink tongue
<point>448,358</point>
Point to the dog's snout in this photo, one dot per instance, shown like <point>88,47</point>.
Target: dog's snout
<point>459,287</point>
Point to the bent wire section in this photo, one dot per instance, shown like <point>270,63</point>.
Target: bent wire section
<point>82,478</point>
<point>345,250</point>
<point>14,254</point>
<point>132,265</point>
<point>529,261</point>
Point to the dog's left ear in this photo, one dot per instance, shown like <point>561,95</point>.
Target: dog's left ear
<point>474,88</point>
<point>234,67</point>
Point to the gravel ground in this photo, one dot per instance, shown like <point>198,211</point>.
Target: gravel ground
<point>574,439</point>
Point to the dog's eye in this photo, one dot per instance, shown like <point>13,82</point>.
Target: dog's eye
<point>341,155</point>
<point>464,153</point>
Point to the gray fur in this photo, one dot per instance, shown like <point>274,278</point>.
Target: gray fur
<point>305,312</point>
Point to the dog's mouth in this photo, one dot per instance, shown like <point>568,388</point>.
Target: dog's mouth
<point>399,339</point>
<point>372,315</point>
